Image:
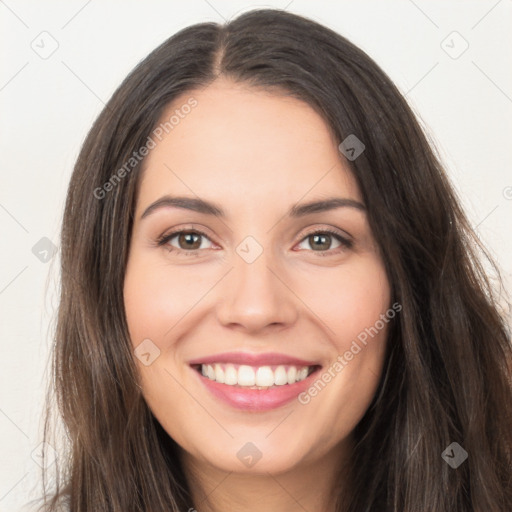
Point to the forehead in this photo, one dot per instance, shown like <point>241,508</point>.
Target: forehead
<point>245,142</point>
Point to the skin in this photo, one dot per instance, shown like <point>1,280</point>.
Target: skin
<point>255,154</point>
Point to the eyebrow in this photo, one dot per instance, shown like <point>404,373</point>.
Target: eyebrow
<point>210,208</point>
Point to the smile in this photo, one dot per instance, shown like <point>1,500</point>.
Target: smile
<point>254,382</point>
<point>262,377</point>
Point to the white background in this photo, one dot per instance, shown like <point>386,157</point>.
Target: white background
<point>48,105</point>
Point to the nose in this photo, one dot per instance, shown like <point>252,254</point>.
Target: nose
<point>256,297</point>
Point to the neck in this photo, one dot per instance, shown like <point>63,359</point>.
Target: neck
<point>310,486</point>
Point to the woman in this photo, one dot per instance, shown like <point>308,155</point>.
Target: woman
<point>271,299</point>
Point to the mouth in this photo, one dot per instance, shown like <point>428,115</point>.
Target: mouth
<point>254,382</point>
<point>255,377</point>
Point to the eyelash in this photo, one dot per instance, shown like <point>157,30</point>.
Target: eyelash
<point>164,240</point>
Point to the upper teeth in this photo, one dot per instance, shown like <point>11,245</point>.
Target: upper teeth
<point>248,376</point>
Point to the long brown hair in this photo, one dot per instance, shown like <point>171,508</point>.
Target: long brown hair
<point>448,368</point>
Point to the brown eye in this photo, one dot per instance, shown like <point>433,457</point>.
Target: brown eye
<point>321,242</point>
<point>189,241</point>
<point>184,241</point>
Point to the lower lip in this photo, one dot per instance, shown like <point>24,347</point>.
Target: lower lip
<point>256,399</point>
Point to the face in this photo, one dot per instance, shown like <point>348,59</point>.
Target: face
<point>258,326</point>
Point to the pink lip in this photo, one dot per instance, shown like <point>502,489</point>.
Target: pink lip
<point>266,359</point>
<point>255,399</point>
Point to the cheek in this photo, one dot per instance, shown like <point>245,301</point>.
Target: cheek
<point>156,297</point>
<point>348,300</point>
<point>355,305</point>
